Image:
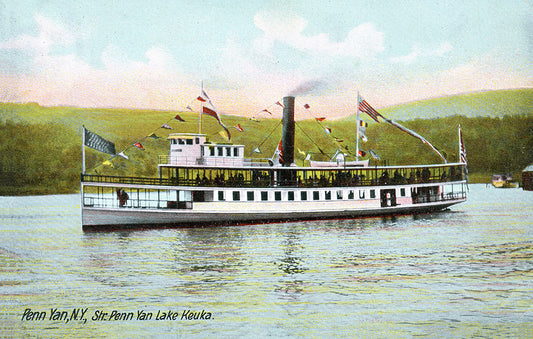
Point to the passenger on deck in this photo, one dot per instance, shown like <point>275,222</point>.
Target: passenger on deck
<point>426,175</point>
<point>122,197</point>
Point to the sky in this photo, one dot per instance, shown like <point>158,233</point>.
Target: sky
<point>249,54</point>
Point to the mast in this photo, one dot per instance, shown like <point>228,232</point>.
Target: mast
<point>200,112</point>
<point>357,129</point>
<point>83,149</point>
<point>460,144</point>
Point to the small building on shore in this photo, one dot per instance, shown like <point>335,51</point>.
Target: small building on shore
<point>527,178</point>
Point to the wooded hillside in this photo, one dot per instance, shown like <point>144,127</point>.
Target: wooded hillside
<point>40,147</point>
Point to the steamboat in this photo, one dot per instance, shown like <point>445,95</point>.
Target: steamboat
<point>205,184</point>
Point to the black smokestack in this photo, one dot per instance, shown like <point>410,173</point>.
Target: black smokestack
<point>287,138</point>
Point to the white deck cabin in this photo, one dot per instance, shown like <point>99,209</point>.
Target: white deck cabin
<point>190,149</point>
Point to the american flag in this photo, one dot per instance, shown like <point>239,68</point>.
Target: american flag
<point>366,108</point>
<point>462,149</point>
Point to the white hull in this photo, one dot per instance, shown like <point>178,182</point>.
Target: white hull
<point>103,218</point>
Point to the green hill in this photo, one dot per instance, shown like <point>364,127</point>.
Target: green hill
<point>479,104</point>
<point>40,147</point>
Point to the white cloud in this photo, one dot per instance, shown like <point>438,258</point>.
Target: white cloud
<point>159,62</point>
<point>363,41</point>
<point>66,79</point>
<point>50,33</point>
<point>419,52</point>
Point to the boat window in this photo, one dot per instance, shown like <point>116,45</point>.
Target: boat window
<point>350,195</point>
<point>235,152</point>
<point>339,195</point>
<point>228,152</point>
<point>236,195</point>
<point>303,195</point>
<point>264,196</point>
<point>290,196</point>
<point>250,196</point>
<point>220,195</point>
<point>316,195</point>
<point>181,142</point>
<point>189,141</point>
<point>197,140</point>
<point>327,195</point>
<point>211,151</point>
<point>402,192</point>
<point>220,151</point>
<point>199,196</point>
<point>361,194</point>
<point>184,195</point>
<point>277,196</point>
<point>372,194</point>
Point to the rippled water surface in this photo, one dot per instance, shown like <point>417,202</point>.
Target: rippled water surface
<point>466,272</point>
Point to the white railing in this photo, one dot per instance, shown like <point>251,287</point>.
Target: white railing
<point>212,161</point>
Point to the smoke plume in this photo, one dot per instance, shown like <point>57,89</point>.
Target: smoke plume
<point>308,87</point>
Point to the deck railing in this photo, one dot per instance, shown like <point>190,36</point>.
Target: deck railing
<point>261,182</point>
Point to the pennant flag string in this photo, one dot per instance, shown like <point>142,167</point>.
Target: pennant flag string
<point>366,108</point>
<point>266,138</point>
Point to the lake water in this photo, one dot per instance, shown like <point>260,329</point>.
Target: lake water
<point>466,272</point>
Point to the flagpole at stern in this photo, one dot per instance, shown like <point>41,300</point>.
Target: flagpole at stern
<point>83,149</point>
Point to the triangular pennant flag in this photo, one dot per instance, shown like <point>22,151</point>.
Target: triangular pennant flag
<point>108,163</point>
<point>121,154</point>
<point>138,145</point>
<point>328,130</point>
<point>153,136</point>
<point>362,129</point>
<point>320,119</point>
<point>177,117</point>
<point>209,111</point>
<point>279,103</point>
<point>278,154</point>
<point>189,108</point>
<point>203,97</point>
<point>362,153</point>
<point>266,110</point>
<point>214,114</point>
<point>301,152</point>
<point>167,126</point>
<point>306,106</point>
<point>256,150</point>
<point>253,119</point>
<point>374,155</point>
<point>239,128</point>
<point>308,157</point>
<point>224,134</point>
